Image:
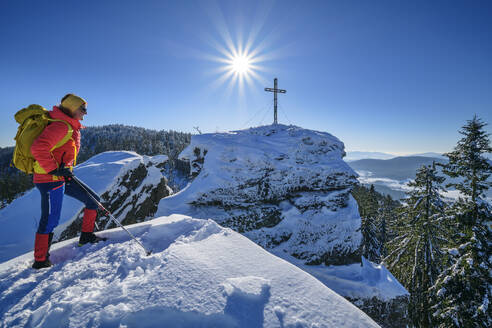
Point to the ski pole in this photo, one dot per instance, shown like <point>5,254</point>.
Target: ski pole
<point>108,213</point>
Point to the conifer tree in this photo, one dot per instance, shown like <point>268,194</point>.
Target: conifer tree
<point>377,213</point>
<point>463,291</point>
<point>371,247</point>
<point>386,212</point>
<point>370,244</point>
<point>416,253</point>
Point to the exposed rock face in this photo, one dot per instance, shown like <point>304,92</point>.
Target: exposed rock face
<point>135,196</point>
<point>132,198</point>
<point>177,172</point>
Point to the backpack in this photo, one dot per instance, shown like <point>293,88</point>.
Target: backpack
<point>33,120</point>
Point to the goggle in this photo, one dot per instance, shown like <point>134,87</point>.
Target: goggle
<point>83,109</point>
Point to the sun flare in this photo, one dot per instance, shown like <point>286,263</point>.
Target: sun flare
<point>240,67</point>
<point>242,55</point>
<point>240,64</point>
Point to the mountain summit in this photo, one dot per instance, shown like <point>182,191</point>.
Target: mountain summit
<point>284,187</point>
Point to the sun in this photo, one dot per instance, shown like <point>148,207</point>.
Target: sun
<point>240,64</point>
<point>241,54</point>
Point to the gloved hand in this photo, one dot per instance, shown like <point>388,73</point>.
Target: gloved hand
<point>62,171</point>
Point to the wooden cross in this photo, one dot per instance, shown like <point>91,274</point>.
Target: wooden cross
<point>275,91</point>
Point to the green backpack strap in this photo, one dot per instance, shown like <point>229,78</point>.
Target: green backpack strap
<point>67,137</point>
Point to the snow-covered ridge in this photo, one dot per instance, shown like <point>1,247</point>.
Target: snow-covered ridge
<point>102,173</point>
<point>199,274</point>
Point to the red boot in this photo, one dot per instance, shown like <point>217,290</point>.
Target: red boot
<point>41,248</point>
<point>87,235</point>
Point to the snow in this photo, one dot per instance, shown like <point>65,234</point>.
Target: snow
<point>342,222</point>
<point>359,281</point>
<point>19,220</point>
<point>233,160</point>
<point>356,281</point>
<point>199,275</point>
<point>441,292</point>
<point>246,169</point>
<point>454,252</point>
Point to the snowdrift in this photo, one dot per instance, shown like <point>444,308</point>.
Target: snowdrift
<point>199,275</point>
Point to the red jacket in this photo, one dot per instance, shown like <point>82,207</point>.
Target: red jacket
<point>53,133</point>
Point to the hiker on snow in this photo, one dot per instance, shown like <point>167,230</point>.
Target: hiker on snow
<point>55,151</point>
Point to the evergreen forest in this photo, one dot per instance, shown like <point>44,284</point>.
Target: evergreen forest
<point>439,248</point>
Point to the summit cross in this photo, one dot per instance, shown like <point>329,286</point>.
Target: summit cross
<point>275,90</point>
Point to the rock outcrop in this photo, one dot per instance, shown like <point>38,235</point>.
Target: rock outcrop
<point>289,190</point>
<point>133,196</point>
<point>282,186</point>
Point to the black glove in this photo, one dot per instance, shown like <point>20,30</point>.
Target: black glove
<point>62,171</point>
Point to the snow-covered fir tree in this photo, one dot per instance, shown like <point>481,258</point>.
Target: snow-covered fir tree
<point>416,254</point>
<point>463,290</point>
<point>467,162</point>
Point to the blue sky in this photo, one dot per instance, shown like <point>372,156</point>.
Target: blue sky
<point>390,76</point>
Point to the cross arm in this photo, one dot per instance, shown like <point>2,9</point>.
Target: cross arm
<point>275,90</point>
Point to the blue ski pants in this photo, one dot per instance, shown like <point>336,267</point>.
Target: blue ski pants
<point>52,199</point>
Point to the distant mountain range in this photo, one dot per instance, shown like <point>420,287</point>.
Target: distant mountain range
<point>398,168</point>
<point>430,154</point>
<point>357,155</point>
<point>390,176</point>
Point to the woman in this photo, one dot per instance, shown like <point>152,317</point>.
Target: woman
<point>55,152</point>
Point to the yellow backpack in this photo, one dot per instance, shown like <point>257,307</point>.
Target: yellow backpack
<point>32,119</point>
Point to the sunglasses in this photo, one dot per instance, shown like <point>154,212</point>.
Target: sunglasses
<point>83,109</point>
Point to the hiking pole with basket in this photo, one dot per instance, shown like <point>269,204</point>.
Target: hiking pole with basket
<point>108,213</point>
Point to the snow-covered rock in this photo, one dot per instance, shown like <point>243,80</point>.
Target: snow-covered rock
<point>130,184</point>
<point>282,186</point>
<point>199,275</point>
<point>289,190</point>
